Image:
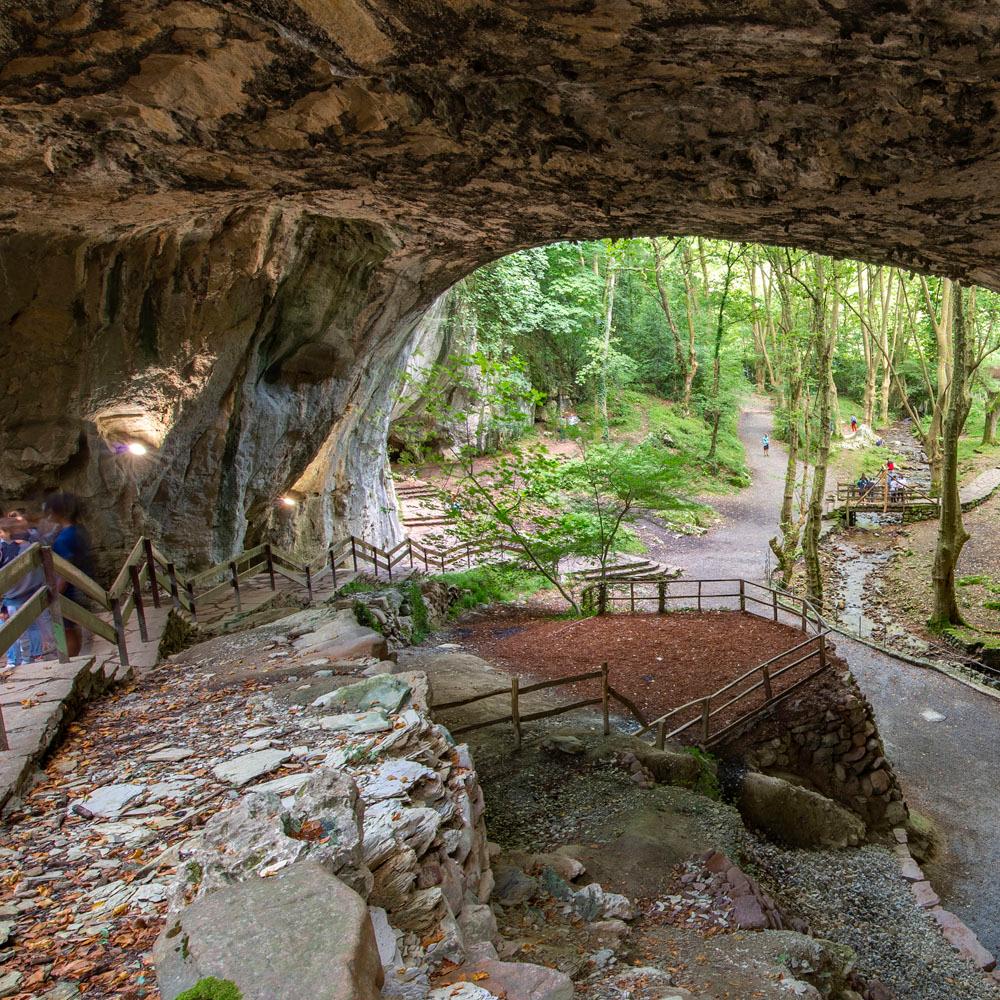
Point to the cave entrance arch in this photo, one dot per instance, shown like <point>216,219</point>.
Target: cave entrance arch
<point>220,225</point>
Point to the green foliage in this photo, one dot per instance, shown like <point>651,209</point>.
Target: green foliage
<point>418,612</point>
<point>366,618</point>
<point>492,585</point>
<point>708,780</point>
<point>211,988</point>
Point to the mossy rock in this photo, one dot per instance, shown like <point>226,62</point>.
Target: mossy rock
<point>211,988</point>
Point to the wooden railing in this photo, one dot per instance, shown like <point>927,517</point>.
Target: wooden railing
<point>880,493</point>
<point>708,712</point>
<point>745,595</point>
<point>718,713</point>
<point>517,690</point>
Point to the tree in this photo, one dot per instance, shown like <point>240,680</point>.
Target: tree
<point>611,482</point>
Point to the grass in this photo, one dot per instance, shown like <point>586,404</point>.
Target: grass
<point>640,413</point>
<point>492,585</point>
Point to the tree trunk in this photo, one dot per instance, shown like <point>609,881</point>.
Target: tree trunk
<point>952,535</point>
<point>825,329</point>
<point>602,375</point>
<point>992,417</point>
<point>692,359</point>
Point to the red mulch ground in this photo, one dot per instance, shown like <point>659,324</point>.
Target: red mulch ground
<point>659,661</point>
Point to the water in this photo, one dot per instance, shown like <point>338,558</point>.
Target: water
<point>856,590</point>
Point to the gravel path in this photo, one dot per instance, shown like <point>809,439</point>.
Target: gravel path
<point>950,768</point>
<point>738,545</point>
<point>950,772</point>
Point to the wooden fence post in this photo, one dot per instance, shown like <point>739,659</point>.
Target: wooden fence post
<point>309,582</point>
<point>822,651</point>
<point>388,565</point>
<point>774,602</point>
<point>409,542</point>
<point>269,559</point>
<point>605,699</point>
<point>706,718</point>
<point>116,617</point>
<point>234,579</point>
<point>333,567</point>
<point>768,693</point>
<point>154,589</point>
<point>743,594</point>
<point>515,712</point>
<point>140,610</point>
<point>194,609</point>
<point>804,617</point>
<point>661,595</point>
<point>175,594</point>
<point>602,598</point>
<point>4,744</point>
<point>699,595</point>
<point>54,603</point>
<point>468,554</point>
<point>354,553</point>
<point>631,596</point>
<point>661,734</point>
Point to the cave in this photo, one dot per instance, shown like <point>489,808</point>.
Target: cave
<point>221,224</point>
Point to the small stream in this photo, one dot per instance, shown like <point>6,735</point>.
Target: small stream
<point>856,588</point>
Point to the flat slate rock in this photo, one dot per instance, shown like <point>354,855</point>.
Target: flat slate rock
<point>302,934</point>
<point>171,755</point>
<point>356,722</point>
<point>245,768</point>
<point>111,800</point>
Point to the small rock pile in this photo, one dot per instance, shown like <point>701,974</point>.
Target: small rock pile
<point>390,610</point>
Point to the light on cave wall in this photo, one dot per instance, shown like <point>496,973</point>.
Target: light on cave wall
<point>136,448</point>
<point>289,502</point>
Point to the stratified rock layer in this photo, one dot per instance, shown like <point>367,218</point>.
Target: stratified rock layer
<point>220,224</point>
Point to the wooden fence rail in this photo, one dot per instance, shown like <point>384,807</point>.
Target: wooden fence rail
<point>516,691</point>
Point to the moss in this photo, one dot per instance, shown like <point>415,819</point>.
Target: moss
<point>708,780</point>
<point>178,634</point>
<point>211,988</point>
<point>366,618</point>
<point>194,873</point>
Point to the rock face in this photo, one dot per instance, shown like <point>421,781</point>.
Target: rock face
<point>221,225</point>
<point>272,938</point>
<point>395,813</point>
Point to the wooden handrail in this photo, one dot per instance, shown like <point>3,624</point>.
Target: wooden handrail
<point>19,567</point>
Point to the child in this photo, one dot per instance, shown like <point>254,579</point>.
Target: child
<point>767,444</point>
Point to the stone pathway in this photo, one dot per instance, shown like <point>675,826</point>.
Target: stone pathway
<point>980,489</point>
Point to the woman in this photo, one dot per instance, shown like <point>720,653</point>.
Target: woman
<point>69,541</point>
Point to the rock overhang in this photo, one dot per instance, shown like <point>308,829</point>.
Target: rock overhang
<point>239,213</point>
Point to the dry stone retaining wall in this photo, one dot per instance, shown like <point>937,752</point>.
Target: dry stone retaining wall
<point>828,736</point>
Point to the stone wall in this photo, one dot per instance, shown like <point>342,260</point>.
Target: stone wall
<point>827,735</point>
<point>396,815</point>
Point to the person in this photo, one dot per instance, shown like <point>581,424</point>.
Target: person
<point>864,484</point>
<point>766,441</point>
<point>70,542</point>
<point>854,425</point>
<point>29,646</point>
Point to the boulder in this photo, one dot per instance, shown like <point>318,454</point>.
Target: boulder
<point>385,692</point>
<point>277,937</point>
<point>796,816</point>
<point>670,767</point>
<point>342,638</point>
<point>516,980</point>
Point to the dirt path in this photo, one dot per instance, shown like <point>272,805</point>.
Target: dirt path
<point>738,545</point>
<point>949,769</point>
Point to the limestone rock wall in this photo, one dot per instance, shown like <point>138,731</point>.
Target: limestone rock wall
<point>231,346</point>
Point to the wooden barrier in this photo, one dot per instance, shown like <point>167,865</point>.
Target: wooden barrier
<point>516,691</point>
